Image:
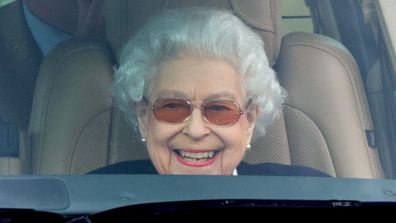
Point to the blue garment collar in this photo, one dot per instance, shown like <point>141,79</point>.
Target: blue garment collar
<point>46,36</point>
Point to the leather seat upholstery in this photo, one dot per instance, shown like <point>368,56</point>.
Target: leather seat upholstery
<point>327,115</point>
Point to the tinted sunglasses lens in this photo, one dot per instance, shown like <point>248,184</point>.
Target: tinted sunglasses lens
<point>172,110</point>
<point>222,112</point>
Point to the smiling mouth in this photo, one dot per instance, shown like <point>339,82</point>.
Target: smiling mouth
<point>196,158</point>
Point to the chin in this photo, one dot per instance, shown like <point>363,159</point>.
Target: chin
<point>196,171</point>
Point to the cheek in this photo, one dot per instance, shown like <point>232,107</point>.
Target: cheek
<point>232,157</point>
<point>236,147</point>
<point>158,137</point>
<point>236,140</point>
<point>238,134</point>
<point>159,133</point>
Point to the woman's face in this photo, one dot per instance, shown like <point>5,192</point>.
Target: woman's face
<point>197,146</point>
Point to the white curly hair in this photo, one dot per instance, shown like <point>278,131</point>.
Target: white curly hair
<point>198,32</point>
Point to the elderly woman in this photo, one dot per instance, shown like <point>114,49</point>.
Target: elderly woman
<point>197,84</point>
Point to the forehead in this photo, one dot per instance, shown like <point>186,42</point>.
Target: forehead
<point>198,79</point>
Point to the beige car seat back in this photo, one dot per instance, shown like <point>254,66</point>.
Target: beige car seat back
<point>75,127</point>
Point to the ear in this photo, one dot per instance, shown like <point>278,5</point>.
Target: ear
<point>252,117</point>
<point>142,117</point>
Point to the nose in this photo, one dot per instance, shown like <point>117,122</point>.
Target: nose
<point>196,126</point>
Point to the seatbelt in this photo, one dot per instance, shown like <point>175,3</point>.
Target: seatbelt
<point>390,106</point>
<point>376,98</point>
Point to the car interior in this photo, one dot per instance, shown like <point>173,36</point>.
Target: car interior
<point>67,122</point>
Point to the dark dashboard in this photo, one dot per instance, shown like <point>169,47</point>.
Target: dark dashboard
<point>123,198</point>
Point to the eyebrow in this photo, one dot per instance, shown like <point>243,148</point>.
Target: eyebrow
<point>172,94</point>
<point>221,94</point>
<point>179,94</point>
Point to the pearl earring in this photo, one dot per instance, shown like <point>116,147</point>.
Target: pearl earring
<point>143,139</point>
<point>248,147</point>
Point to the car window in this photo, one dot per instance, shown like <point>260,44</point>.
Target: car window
<point>295,16</point>
<point>335,61</point>
<point>4,2</point>
<point>364,33</point>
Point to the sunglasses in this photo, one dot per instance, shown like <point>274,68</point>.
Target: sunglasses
<point>218,112</point>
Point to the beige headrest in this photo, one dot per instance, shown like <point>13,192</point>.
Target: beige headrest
<point>125,17</point>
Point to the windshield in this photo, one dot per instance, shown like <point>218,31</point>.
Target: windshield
<point>112,97</point>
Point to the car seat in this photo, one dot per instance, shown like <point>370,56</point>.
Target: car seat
<point>75,128</point>
<point>327,115</point>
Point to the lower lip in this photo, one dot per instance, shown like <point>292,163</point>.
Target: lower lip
<point>195,164</point>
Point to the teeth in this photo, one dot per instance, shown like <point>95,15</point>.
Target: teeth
<point>204,155</point>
